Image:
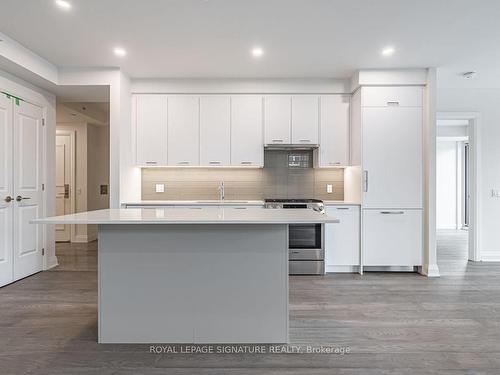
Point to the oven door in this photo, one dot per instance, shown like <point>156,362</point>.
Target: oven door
<point>304,236</point>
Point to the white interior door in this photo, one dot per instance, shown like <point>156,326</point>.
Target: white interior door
<point>6,193</point>
<point>64,150</point>
<point>27,164</point>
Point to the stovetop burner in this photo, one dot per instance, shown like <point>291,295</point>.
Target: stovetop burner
<point>313,204</point>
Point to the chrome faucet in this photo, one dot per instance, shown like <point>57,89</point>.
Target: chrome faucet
<point>221,191</point>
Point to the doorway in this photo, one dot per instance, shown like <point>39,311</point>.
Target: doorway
<point>82,166</point>
<point>65,181</point>
<point>456,186</point>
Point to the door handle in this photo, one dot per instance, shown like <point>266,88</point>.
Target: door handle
<point>8,199</point>
<point>19,198</point>
<point>365,181</point>
<point>392,212</point>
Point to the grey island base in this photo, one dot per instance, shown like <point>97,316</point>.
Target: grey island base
<point>180,276</point>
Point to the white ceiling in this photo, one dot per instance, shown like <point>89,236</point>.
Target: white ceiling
<point>96,113</point>
<point>301,38</point>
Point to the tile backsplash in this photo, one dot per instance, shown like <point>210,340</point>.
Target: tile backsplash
<point>239,183</point>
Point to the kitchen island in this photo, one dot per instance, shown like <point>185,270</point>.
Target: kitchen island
<point>192,275</point>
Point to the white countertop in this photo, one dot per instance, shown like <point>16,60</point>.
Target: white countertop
<point>341,203</point>
<point>201,202</point>
<point>193,215</point>
<point>226,202</point>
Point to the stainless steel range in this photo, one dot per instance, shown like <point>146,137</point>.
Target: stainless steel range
<point>305,241</point>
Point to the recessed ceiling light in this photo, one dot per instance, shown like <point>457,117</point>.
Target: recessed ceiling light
<point>257,52</point>
<point>63,4</point>
<point>120,52</point>
<point>388,51</point>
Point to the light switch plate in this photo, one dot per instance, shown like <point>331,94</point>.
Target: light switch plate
<point>160,188</point>
<point>329,188</point>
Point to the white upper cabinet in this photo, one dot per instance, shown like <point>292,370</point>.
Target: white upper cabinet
<point>247,141</point>
<point>334,130</point>
<point>392,157</point>
<point>277,119</point>
<point>215,130</point>
<point>151,129</point>
<point>183,130</point>
<point>401,96</point>
<point>305,119</point>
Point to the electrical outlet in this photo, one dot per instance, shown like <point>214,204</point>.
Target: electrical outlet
<point>160,188</point>
<point>495,193</point>
<point>329,188</point>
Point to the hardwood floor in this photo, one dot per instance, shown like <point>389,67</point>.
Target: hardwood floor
<point>392,323</point>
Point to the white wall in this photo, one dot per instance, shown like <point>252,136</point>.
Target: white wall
<point>97,166</point>
<point>97,171</point>
<point>487,103</point>
<point>446,184</point>
<point>239,86</point>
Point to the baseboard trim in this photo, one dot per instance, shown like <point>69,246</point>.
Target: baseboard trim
<point>80,239</point>
<point>490,256</point>
<point>51,263</point>
<point>429,270</point>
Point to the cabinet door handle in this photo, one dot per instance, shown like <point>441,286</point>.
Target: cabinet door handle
<point>342,208</point>
<point>183,163</point>
<point>393,103</point>
<point>151,162</point>
<point>392,212</point>
<point>365,181</point>
<point>246,163</point>
<point>304,140</point>
<point>335,163</point>
<point>278,140</point>
<point>214,162</point>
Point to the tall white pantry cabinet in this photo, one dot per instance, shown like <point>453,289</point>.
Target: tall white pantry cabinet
<point>389,122</point>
